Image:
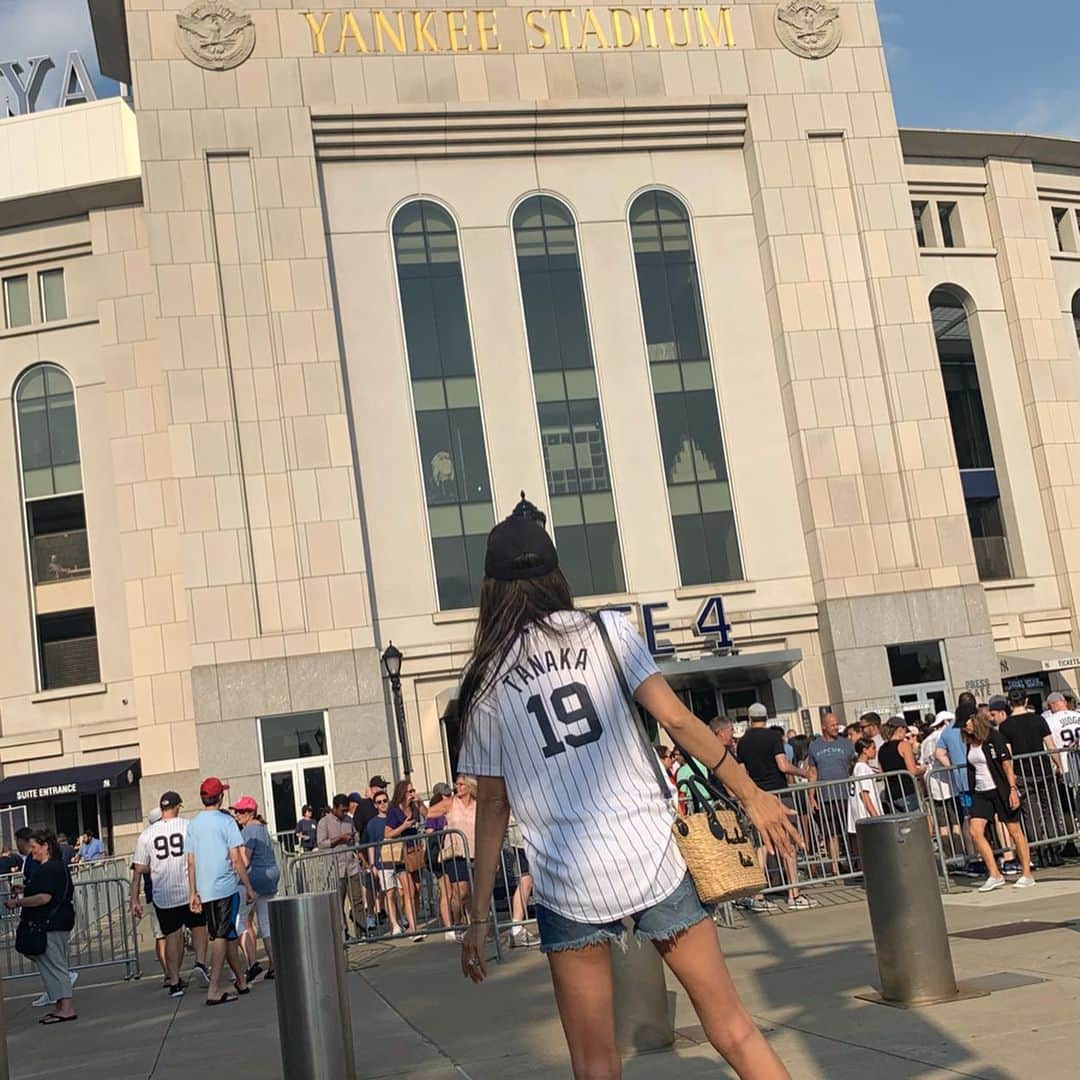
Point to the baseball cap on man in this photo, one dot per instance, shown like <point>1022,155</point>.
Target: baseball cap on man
<point>355,796</point>
<point>169,799</point>
<point>379,782</point>
<point>246,802</point>
<point>212,788</point>
<point>942,718</point>
<point>519,547</point>
<point>998,704</point>
<point>757,711</point>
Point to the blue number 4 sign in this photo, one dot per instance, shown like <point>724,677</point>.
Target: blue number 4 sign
<point>710,621</point>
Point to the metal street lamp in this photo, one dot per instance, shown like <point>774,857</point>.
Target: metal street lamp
<point>391,665</point>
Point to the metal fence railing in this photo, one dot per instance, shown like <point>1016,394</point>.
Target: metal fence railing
<point>420,884</point>
<point>104,935</point>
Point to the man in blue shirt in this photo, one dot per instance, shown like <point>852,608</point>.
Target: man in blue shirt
<point>216,872</point>
<point>952,752</point>
<point>91,848</point>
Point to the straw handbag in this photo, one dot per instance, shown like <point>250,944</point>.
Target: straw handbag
<point>714,839</point>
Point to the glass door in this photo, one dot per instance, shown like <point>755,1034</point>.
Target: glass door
<point>296,769</point>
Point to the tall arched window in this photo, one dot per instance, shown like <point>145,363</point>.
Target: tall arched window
<point>567,400</point>
<point>699,492</point>
<point>971,436</point>
<point>448,421</point>
<point>55,520</point>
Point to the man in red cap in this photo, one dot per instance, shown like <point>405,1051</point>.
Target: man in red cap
<point>216,872</point>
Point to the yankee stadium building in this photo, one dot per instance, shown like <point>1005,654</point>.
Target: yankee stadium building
<point>297,313</point>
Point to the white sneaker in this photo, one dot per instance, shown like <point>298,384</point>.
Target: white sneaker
<point>992,883</point>
<point>1025,882</point>
<point>450,935</point>
<point>73,976</point>
<point>42,1000</point>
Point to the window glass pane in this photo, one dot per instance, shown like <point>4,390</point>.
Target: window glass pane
<point>17,301</point>
<point>684,393</point>
<point>449,425</point>
<point>568,407</point>
<point>48,437</point>
<point>967,418</point>
<point>988,538</point>
<point>298,735</point>
<point>67,644</point>
<point>916,662</point>
<point>945,214</point>
<point>53,299</point>
<point>604,558</point>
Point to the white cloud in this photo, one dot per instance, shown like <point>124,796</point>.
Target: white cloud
<point>1047,112</point>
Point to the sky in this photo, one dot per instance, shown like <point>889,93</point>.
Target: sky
<point>984,65</point>
<point>49,28</point>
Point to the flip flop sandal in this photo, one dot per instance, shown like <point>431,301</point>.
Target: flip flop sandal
<point>223,1000</point>
<point>246,990</point>
<point>51,1018</point>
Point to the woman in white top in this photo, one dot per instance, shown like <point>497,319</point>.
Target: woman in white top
<point>546,729</point>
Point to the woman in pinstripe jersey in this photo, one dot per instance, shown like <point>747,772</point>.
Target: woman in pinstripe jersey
<point>548,731</point>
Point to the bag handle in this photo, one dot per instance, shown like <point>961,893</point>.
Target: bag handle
<point>717,796</point>
<point>661,776</point>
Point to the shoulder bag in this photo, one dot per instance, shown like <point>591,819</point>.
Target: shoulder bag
<point>31,935</point>
<point>714,838</point>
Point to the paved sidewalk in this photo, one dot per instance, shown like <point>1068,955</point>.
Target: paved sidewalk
<point>413,1015</point>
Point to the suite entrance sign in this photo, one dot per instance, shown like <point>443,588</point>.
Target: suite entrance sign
<point>383,31</point>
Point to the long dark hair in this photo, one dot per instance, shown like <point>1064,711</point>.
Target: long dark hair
<point>507,609</point>
<point>47,838</point>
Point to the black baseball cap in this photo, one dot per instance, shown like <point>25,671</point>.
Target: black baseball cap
<point>377,781</point>
<point>519,548</point>
<point>998,704</point>
<point>169,800</point>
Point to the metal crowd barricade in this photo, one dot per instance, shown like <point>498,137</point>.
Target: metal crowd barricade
<point>372,881</point>
<point>1049,783</point>
<point>830,854</point>
<point>104,933</point>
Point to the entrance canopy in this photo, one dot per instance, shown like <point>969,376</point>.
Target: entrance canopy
<point>1027,661</point>
<point>729,671</point>
<point>78,780</point>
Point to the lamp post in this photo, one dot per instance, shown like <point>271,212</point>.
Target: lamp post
<point>391,665</point>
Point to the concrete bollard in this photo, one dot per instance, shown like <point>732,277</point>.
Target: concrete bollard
<point>312,999</point>
<point>644,1019</point>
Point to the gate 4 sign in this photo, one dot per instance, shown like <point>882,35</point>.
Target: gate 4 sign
<point>710,621</point>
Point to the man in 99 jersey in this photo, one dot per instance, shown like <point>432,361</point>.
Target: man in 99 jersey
<point>160,850</point>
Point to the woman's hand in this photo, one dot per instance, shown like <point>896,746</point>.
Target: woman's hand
<point>772,819</point>
<point>472,951</point>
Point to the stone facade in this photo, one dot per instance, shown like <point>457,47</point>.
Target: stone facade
<point>254,490</point>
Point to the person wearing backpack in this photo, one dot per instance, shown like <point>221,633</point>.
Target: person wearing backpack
<point>46,922</point>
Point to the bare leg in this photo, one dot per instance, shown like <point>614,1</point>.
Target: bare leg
<point>267,945</point>
<point>390,896</point>
<point>408,897</point>
<point>161,950</point>
<point>1023,852</point>
<point>217,965</point>
<point>232,954</point>
<point>444,902</point>
<point>519,905</point>
<point>586,1001</point>
<point>174,952</point>
<point>982,846</point>
<point>697,962</point>
<point>200,942</point>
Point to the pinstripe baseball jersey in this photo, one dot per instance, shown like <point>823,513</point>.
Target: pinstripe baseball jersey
<point>161,847</point>
<point>556,726</point>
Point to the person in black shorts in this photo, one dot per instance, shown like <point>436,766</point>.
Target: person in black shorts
<point>994,794</point>
<point>761,751</point>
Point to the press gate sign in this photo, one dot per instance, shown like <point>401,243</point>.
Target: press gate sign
<point>48,59</point>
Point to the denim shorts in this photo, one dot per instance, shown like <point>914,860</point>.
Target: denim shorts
<point>671,916</point>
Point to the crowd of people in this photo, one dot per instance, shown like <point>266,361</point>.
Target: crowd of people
<point>987,797</point>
